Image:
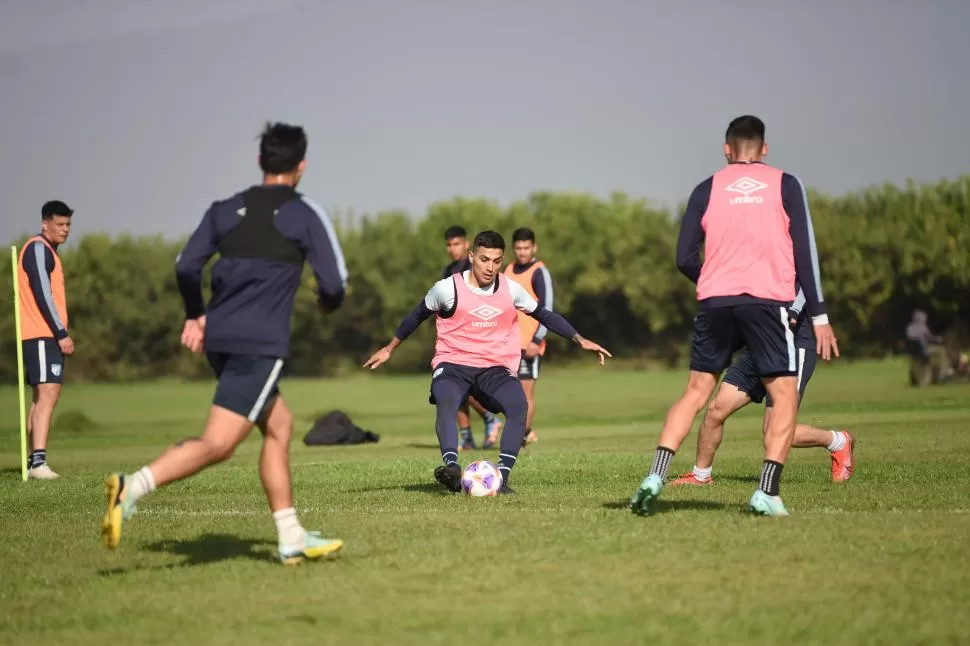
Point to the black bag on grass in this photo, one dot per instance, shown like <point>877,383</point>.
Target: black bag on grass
<point>337,428</point>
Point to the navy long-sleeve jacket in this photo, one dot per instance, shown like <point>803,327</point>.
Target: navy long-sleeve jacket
<point>263,236</point>
<point>795,202</point>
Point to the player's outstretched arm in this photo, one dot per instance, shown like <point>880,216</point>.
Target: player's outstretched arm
<point>189,264</point>
<point>558,324</point>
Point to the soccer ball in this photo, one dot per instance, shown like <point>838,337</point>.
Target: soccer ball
<point>481,478</point>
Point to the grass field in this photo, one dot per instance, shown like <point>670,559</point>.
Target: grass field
<point>883,559</point>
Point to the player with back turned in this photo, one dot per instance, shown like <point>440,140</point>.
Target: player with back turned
<point>263,236</point>
<point>753,223</point>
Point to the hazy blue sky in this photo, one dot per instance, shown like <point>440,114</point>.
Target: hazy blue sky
<point>139,113</point>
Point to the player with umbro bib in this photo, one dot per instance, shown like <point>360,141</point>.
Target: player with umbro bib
<point>478,350</point>
<point>753,223</point>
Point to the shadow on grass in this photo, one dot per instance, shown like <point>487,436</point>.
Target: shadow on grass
<point>420,445</point>
<point>10,470</point>
<point>206,549</point>
<point>739,478</point>
<point>664,506</point>
<point>432,488</point>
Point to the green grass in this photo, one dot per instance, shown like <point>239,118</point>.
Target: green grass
<point>882,559</point>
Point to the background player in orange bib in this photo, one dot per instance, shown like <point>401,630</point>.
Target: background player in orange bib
<point>43,328</point>
<point>534,276</point>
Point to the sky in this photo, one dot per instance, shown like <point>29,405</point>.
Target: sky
<point>140,113</point>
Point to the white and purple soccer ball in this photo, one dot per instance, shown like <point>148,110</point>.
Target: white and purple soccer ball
<point>481,478</point>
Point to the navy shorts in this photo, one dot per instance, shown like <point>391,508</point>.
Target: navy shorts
<point>719,332</point>
<point>743,375</point>
<point>529,368</point>
<point>480,383</point>
<point>247,383</point>
<point>43,362</point>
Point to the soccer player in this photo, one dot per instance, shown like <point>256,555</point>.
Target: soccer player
<point>477,351</point>
<point>534,277</point>
<point>753,223</point>
<point>741,386</point>
<point>456,242</point>
<point>43,328</point>
<point>263,235</point>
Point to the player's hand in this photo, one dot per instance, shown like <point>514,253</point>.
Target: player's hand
<point>590,346</point>
<point>67,346</point>
<point>378,358</point>
<point>826,344</point>
<point>532,350</point>
<point>193,334</point>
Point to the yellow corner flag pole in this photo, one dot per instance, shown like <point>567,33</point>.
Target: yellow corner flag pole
<point>20,365</point>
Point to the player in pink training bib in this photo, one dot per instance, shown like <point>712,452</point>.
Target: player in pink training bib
<point>477,351</point>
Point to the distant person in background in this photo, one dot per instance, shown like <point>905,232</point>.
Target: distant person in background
<point>43,328</point>
<point>926,346</point>
<point>456,242</point>
<point>534,276</point>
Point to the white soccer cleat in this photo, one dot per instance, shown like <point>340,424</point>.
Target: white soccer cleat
<point>43,472</point>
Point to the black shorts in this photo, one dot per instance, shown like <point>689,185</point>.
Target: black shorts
<point>247,384</point>
<point>43,362</point>
<point>529,368</point>
<point>743,375</point>
<point>480,383</point>
<point>719,332</point>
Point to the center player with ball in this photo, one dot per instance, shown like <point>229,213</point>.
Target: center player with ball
<point>478,351</point>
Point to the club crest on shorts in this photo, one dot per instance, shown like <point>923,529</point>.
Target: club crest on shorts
<point>56,369</point>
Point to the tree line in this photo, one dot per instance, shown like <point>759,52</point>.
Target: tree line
<point>883,251</point>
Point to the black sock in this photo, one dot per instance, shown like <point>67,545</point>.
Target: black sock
<point>661,462</point>
<point>771,477</point>
<point>505,463</point>
<point>449,457</point>
<point>465,434</point>
<point>37,458</point>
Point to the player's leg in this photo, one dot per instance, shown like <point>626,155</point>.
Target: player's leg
<point>295,543</point>
<point>529,375</point>
<point>493,423</point>
<point>502,391</point>
<point>731,397</point>
<point>715,340</point>
<point>466,441</point>
<point>839,444</point>
<point>44,366</point>
<point>450,386</point>
<point>767,332</point>
<point>245,385</point>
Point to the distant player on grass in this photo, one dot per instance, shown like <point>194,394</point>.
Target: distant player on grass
<point>535,278</point>
<point>477,351</point>
<point>45,339</point>
<point>753,223</point>
<point>263,235</point>
<point>456,242</point>
<point>741,386</point>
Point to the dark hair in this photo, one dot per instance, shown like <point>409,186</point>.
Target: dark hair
<point>55,207</point>
<point>746,129</point>
<point>523,234</point>
<point>455,232</point>
<point>489,240</point>
<point>281,148</point>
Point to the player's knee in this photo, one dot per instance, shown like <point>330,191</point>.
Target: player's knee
<point>219,450</point>
<point>697,393</point>
<point>279,426</point>
<point>717,413</point>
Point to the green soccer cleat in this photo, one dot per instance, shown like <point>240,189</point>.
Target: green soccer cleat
<point>314,547</point>
<point>117,512</point>
<point>765,505</point>
<point>642,501</point>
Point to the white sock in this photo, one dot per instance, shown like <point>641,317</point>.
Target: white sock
<point>138,484</point>
<point>702,474</point>
<point>838,441</point>
<point>288,527</point>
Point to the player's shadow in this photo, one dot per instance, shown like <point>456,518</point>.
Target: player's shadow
<point>204,550</point>
<point>432,488</point>
<point>419,445</point>
<point>739,478</point>
<point>664,506</point>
